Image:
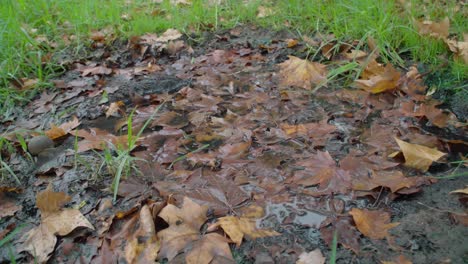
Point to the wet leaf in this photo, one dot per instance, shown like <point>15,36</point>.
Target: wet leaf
<point>143,246</point>
<point>373,224</point>
<point>209,247</point>
<point>184,227</point>
<point>302,73</point>
<point>313,257</point>
<point>417,156</point>
<point>238,227</point>
<point>382,81</point>
<point>40,241</point>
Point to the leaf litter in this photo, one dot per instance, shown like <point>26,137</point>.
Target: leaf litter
<point>242,160</point>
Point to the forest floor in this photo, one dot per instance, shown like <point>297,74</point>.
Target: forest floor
<point>242,145</point>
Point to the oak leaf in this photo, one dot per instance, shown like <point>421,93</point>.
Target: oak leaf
<point>373,224</point>
<point>302,73</point>
<point>418,156</point>
<point>59,131</point>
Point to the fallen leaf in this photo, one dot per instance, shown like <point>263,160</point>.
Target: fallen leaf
<point>313,257</point>
<point>459,48</point>
<point>114,108</point>
<point>184,227</point>
<point>388,80</point>
<point>373,224</point>
<point>434,29</point>
<point>417,156</point>
<point>209,247</point>
<point>302,73</point>
<point>59,131</point>
<point>461,191</point>
<point>238,227</point>
<point>144,245</point>
<point>98,139</point>
<point>40,241</point>
<point>8,206</point>
<point>399,260</point>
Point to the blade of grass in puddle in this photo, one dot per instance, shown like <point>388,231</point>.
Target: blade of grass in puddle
<point>185,155</point>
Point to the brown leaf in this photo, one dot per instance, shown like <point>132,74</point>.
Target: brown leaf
<point>98,139</point>
<point>399,260</point>
<point>184,227</point>
<point>209,247</point>
<point>381,82</point>
<point>302,73</point>
<point>313,257</point>
<point>238,227</point>
<point>49,201</point>
<point>395,180</point>
<point>347,234</point>
<point>434,29</point>
<point>373,224</point>
<point>59,131</point>
<point>143,245</point>
<point>417,156</point>
<point>114,108</point>
<point>8,206</point>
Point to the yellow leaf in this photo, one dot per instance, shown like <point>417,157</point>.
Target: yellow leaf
<point>301,73</point>
<point>462,191</point>
<point>237,227</point>
<point>388,80</point>
<point>373,224</point>
<point>418,156</point>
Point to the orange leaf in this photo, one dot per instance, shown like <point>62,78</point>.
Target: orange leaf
<point>388,80</point>
<point>373,224</point>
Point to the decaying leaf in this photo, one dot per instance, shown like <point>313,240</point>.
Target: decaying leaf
<point>399,260</point>
<point>302,73</point>
<point>461,191</point>
<point>417,156</point>
<point>40,241</point>
<point>373,224</point>
<point>114,108</point>
<point>238,227</point>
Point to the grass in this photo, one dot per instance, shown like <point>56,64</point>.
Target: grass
<point>30,30</point>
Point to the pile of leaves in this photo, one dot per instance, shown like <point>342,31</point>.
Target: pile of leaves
<point>253,127</point>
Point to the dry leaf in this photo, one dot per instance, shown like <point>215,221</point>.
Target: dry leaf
<point>373,224</point>
<point>313,257</point>
<point>461,191</point>
<point>40,241</point>
<point>114,108</point>
<point>434,29</point>
<point>400,260</point>
<point>417,156</point>
<point>302,73</point>
<point>385,81</point>
<point>59,131</point>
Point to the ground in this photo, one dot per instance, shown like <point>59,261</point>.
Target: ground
<point>227,130</point>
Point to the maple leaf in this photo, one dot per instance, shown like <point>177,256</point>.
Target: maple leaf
<point>385,81</point>
<point>238,227</point>
<point>313,257</point>
<point>183,233</point>
<point>373,224</point>
<point>395,180</point>
<point>348,235</point>
<point>418,156</point>
<point>302,73</point>
<point>40,241</point>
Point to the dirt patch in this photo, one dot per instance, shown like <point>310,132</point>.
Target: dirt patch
<point>230,135</point>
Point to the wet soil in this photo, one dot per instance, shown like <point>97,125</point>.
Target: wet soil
<point>427,232</point>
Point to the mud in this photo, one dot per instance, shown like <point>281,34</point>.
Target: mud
<point>426,233</point>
